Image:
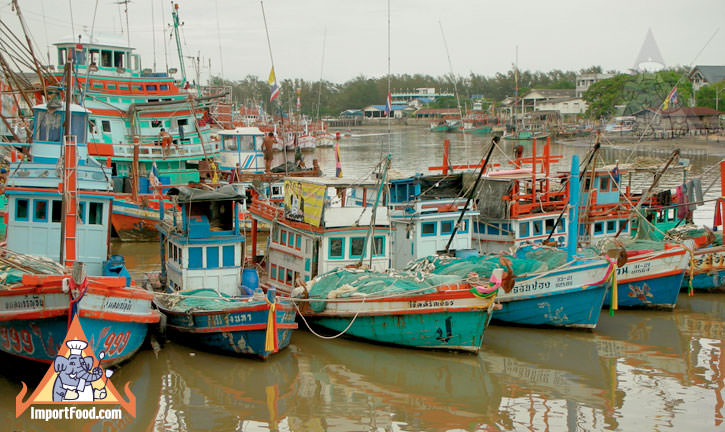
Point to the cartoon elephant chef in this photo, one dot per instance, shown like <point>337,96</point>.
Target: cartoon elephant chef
<point>75,376</point>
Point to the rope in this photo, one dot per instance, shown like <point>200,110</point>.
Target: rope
<point>328,337</point>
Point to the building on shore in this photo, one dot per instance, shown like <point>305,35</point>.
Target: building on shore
<point>703,75</point>
<point>584,81</point>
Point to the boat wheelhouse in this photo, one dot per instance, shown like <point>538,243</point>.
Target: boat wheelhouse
<point>241,149</point>
<point>204,244</point>
<point>424,212</point>
<point>326,223</point>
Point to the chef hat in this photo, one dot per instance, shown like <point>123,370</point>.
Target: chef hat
<point>76,346</point>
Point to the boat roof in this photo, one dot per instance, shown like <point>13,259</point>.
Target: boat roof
<point>104,40</point>
<point>242,131</point>
<point>225,193</point>
<point>335,181</point>
<point>73,107</point>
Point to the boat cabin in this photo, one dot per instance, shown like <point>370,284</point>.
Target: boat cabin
<point>242,148</point>
<point>105,58</point>
<point>425,209</point>
<point>204,243</point>
<point>35,202</point>
<point>324,224</point>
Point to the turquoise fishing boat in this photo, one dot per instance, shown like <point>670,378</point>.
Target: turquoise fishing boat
<point>212,301</point>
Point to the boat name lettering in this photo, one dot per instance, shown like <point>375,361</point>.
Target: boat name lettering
<point>533,286</point>
<point>119,304</point>
<point>635,268</point>
<point>429,303</point>
<point>240,318</point>
<point>26,302</point>
<point>16,341</point>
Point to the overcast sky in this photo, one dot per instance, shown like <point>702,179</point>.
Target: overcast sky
<point>482,35</point>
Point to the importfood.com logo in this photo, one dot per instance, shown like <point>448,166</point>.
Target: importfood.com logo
<point>76,380</point>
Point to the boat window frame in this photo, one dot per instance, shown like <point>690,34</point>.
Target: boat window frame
<point>352,244</point>
<point>342,248</point>
<point>375,253</point>
<point>423,225</point>
<point>40,203</point>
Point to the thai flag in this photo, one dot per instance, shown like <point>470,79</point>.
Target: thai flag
<point>154,176</point>
<point>389,105</point>
<point>670,99</point>
<point>273,82</point>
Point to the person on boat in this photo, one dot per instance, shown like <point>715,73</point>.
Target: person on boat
<point>165,140</point>
<point>268,149</point>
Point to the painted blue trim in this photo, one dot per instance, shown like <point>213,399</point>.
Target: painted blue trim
<point>307,265</point>
<point>195,258</point>
<point>212,257</point>
<point>44,216</point>
<point>283,237</point>
<point>17,209</point>
<point>342,248</point>
<point>523,229</point>
<point>435,229</point>
<point>493,229</point>
<point>351,244</point>
<point>228,256</point>
<point>55,194</point>
<point>82,211</point>
<point>182,240</point>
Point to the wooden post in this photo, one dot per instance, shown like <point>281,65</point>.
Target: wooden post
<point>134,170</point>
<point>446,153</point>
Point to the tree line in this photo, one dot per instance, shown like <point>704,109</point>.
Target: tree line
<point>621,94</point>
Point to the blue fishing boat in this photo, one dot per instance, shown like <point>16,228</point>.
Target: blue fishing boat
<point>63,215</point>
<point>212,300</point>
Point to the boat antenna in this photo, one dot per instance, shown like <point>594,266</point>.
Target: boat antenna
<point>322,66</point>
<point>175,16</point>
<point>72,25</point>
<point>453,77</point>
<point>385,167</point>
<point>266,30</point>
<point>494,141</point>
<point>388,96</point>
<point>166,52</point>
<point>219,38</point>
<point>153,32</point>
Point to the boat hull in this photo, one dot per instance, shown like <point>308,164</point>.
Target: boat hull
<point>570,297</point>
<point>439,321</point>
<point>652,282</point>
<point>135,224</point>
<point>241,331</point>
<point>709,271</point>
<point>34,320</point>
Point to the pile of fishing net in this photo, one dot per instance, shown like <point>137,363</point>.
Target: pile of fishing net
<point>204,299</point>
<point>693,232</point>
<point>345,283</point>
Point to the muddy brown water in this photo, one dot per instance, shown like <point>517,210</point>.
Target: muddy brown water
<point>638,370</point>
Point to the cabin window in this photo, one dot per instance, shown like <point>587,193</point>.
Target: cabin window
<point>48,126</point>
<point>623,225</point>
<point>291,240</point>
<point>62,56</point>
<point>587,184</point>
<point>93,126</point>
<point>195,258</point>
<point>493,229</point>
<point>428,229</point>
<point>337,248</point>
<point>163,87</point>
<point>97,85</point>
<point>273,272</point>
<point>465,227</point>
<point>275,235</point>
<point>150,87</point>
<point>307,264</point>
<point>298,243</point>
<point>118,59</point>
<point>505,229</point>
<point>212,257</point>
<point>106,126</point>
<point>537,227</point>
<point>56,211</point>
<point>283,237</point>
<point>598,228</point>
<point>106,58</point>
<point>123,87</point>
<point>562,225</point>
<point>378,246</point>
<point>549,225</point>
<point>156,123</point>
<point>137,87</point>
<point>40,211</point>
<point>611,226</point>
<point>21,210</point>
<point>446,227</point>
<point>182,122</point>
<point>289,278</point>
<point>356,246</point>
<point>523,229</point>
<point>477,226</point>
<point>95,213</point>
<point>174,254</point>
<point>276,190</point>
<point>604,184</point>
<point>111,86</point>
<point>82,212</point>
<point>228,256</point>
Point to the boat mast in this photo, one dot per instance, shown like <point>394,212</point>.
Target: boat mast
<point>16,6</point>
<point>175,16</point>
<point>453,78</point>
<point>69,183</point>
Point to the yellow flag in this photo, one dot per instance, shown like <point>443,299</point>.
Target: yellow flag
<point>272,78</point>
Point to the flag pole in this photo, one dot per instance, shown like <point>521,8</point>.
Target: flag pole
<point>266,30</point>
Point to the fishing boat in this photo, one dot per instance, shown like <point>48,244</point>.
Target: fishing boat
<point>212,300</point>
<point>64,215</point>
<point>401,308</point>
<point>326,223</point>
